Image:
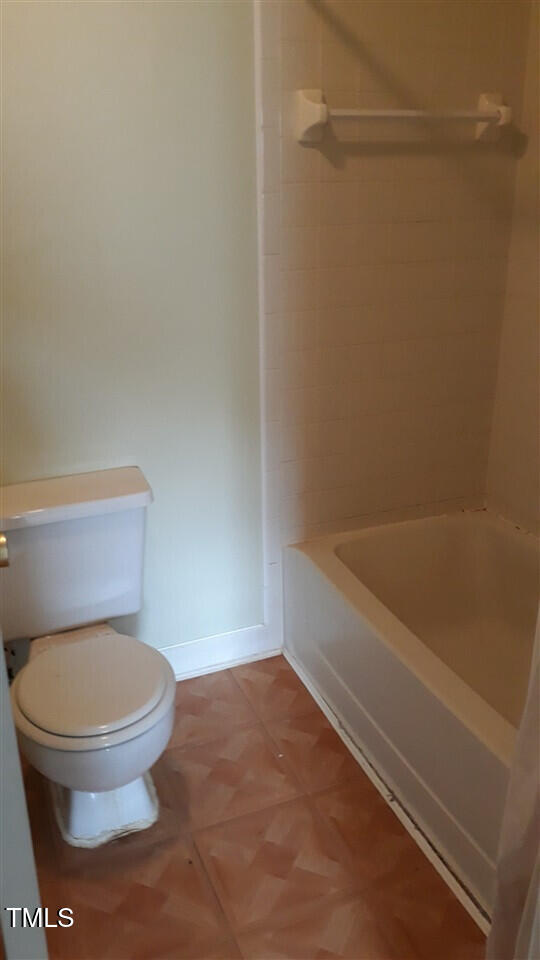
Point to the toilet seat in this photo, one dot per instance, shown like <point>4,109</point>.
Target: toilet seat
<point>89,694</point>
<point>94,686</point>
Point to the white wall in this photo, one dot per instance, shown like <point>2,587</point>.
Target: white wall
<point>130,301</point>
<point>513,483</point>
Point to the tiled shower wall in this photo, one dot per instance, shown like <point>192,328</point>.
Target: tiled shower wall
<point>514,463</point>
<point>383,259</point>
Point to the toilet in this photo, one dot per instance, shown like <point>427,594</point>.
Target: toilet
<point>93,707</point>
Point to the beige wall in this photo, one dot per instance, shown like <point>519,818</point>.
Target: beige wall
<point>514,470</point>
<point>130,305</point>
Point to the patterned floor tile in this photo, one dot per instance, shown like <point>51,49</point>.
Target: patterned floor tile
<point>181,908</point>
<point>382,850</point>
<point>423,919</point>
<point>156,885</point>
<point>139,857</point>
<point>93,935</point>
<point>344,930</point>
<point>207,707</point>
<point>237,774</point>
<point>164,945</point>
<point>273,689</point>
<point>269,863</point>
<point>333,875</point>
<point>164,939</point>
<point>318,756</point>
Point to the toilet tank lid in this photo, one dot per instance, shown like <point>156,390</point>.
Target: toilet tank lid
<point>72,497</point>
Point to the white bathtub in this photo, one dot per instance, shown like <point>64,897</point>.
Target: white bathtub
<point>419,637</point>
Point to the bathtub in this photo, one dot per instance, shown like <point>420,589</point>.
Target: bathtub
<point>418,635</point>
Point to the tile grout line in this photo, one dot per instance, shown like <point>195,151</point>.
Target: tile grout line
<point>350,889</point>
<point>263,724</point>
<point>221,912</point>
<point>295,781</point>
<point>304,794</point>
<point>275,717</point>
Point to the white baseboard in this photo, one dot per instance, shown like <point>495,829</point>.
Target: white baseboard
<point>208,654</point>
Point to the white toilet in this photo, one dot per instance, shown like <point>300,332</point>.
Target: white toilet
<point>93,708</point>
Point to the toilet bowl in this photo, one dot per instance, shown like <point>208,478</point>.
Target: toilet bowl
<point>94,710</point>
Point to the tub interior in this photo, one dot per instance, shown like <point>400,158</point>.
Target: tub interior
<point>467,586</point>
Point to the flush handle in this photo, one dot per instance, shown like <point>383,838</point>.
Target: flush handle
<point>4,555</point>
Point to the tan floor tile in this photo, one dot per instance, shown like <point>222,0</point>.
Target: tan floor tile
<point>137,858</point>
<point>269,863</point>
<point>237,774</point>
<point>344,929</point>
<point>222,951</point>
<point>381,848</point>
<point>423,918</point>
<point>207,707</point>
<point>320,877</point>
<point>317,755</point>
<point>93,935</point>
<point>155,886</point>
<point>273,689</point>
<point>148,922</point>
<point>181,908</point>
<point>167,942</point>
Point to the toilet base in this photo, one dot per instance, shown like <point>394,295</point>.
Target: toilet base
<point>90,819</point>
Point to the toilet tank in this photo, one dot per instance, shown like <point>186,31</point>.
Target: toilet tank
<point>75,549</point>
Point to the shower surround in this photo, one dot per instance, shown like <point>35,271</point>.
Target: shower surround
<point>383,264</point>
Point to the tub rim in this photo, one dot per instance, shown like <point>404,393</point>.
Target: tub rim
<point>484,722</point>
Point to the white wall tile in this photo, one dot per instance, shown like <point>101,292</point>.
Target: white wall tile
<point>332,402</point>
<point>334,365</point>
<point>300,247</point>
<point>299,368</point>
<point>425,240</point>
<point>272,486</point>
<point>300,21</point>
<point>338,203</point>
<point>299,162</point>
<point>373,242</point>
<point>418,199</point>
<point>299,404</point>
<point>272,394</point>
<point>299,330</point>
<point>375,202</point>
<point>271,160</point>
<point>392,259</point>
<point>299,204</point>
<point>269,12</point>
<point>270,342</point>
<point>271,225</point>
<point>272,283</point>
<point>272,445</point>
<point>300,65</point>
<point>300,290</point>
<point>338,66</point>
<point>270,92</point>
<point>332,436</point>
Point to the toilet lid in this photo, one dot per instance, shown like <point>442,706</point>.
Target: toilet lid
<point>93,686</point>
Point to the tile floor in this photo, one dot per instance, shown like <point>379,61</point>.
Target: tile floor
<point>272,843</point>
